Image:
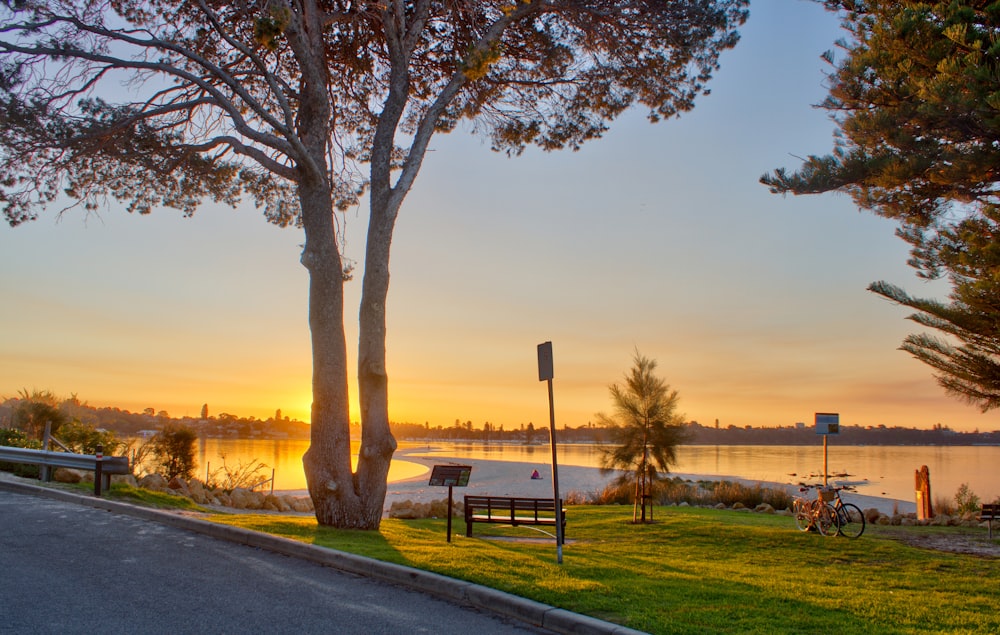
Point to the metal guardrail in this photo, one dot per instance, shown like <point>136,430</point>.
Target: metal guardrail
<point>102,466</point>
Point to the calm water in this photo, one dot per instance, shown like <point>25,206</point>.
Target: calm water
<point>876,470</point>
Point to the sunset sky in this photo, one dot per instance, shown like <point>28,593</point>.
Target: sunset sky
<point>657,238</point>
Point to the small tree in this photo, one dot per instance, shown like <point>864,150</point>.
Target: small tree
<point>35,410</point>
<point>174,450</point>
<point>644,430</point>
<point>84,439</point>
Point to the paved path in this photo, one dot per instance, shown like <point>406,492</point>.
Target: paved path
<point>67,568</point>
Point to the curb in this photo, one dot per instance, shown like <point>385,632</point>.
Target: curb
<point>460,592</point>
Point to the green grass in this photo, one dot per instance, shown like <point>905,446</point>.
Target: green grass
<point>696,570</point>
<point>138,495</point>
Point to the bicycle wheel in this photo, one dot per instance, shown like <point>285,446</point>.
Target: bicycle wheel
<point>802,514</point>
<point>826,520</point>
<point>851,520</point>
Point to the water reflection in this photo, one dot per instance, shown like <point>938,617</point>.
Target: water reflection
<point>879,470</point>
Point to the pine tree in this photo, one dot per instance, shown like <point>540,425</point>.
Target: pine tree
<point>644,431</point>
<point>916,99</point>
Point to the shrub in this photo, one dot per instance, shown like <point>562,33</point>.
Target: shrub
<point>229,478</point>
<point>83,439</point>
<point>35,410</point>
<point>966,500</point>
<point>18,439</point>
<point>676,491</point>
<point>174,450</point>
<point>943,505</point>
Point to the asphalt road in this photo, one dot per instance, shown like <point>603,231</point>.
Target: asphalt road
<point>67,568</point>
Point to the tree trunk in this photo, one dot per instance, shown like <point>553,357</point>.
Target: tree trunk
<point>377,442</point>
<point>327,462</point>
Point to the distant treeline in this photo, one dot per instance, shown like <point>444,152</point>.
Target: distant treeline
<point>224,425</point>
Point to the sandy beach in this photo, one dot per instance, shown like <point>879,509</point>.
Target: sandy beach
<point>508,478</point>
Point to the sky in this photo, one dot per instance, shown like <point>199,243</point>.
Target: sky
<point>656,238</point>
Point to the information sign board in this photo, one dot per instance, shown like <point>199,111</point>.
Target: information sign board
<point>450,475</point>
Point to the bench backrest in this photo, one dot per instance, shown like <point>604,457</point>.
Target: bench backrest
<point>510,502</point>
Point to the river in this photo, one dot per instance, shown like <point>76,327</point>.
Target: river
<point>886,471</point>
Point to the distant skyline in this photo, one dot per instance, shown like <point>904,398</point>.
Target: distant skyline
<point>656,237</point>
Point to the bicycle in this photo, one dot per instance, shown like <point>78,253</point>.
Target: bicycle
<point>850,519</point>
<point>815,514</point>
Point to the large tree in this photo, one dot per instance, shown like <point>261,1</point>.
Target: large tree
<point>916,100</point>
<point>644,431</point>
<point>306,105</point>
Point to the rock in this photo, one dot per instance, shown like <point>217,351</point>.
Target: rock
<point>198,492</point>
<point>302,504</point>
<point>153,482</point>
<point>239,498</point>
<point>438,509</point>
<point>245,499</point>
<point>128,479</point>
<point>178,485</point>
<point>720,505</point>
<point>66,475</point>
<point>276,504</point>
<point>872,514</point>
<point>764,508</point>
<point>402,509</point>
<point>738,505</point>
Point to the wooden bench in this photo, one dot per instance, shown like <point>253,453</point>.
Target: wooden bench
<point>511,510</point>
<point>989,513</point>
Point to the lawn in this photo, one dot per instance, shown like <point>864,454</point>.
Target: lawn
<point>697,570</point>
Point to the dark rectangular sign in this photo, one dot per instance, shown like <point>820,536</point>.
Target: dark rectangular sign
<point>450,475</point>
<point>545,361</point>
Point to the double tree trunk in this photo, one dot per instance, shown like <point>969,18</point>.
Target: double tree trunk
<point>342,497</point>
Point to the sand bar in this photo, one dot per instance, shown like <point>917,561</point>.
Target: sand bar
<point>509,478</point>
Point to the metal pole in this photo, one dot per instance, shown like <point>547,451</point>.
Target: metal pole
<point>449,512</point>
<point>545,373</point>
<point>44,471</point>
<point>825,471</point>
<point>555,476</point>
<point>98,471</point>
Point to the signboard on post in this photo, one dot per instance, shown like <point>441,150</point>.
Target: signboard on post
<point>545,373</point>
<point>450,476</point>
<point>827,423</point>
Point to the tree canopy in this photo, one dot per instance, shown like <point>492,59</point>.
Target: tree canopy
<point>307,105</point>
<point>916,101</point>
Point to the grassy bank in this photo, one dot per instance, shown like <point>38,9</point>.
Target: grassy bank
<point>699,570</point>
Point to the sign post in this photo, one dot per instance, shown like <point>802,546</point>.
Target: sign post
<point>452,476</point>
<point>545,374</point>
<point>827,423</point>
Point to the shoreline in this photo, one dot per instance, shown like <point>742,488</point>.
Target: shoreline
<point>513,478</point>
